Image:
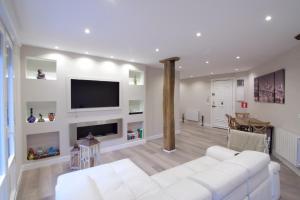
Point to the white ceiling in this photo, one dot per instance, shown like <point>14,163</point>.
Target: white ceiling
<point>133,29</point>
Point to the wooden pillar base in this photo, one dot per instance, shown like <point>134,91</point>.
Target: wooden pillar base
<point>168,103</point>
<point>167,151</point>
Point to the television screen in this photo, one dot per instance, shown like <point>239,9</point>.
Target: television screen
<point>94,94</point>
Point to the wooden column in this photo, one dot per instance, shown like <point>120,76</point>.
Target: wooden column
<point>168,103</point>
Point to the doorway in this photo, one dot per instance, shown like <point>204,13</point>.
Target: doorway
<point>222,102</point>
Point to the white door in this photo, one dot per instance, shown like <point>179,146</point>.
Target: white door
<point>222,102</point>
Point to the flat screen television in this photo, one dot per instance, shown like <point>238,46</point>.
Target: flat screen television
<point>94,94</point>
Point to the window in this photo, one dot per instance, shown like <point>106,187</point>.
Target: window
<point>7,141</point>
<point>9,80</point>
<point>2,131</point>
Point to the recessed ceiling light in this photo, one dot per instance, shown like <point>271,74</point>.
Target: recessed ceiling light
<point>237,69</point>
<point>237,57</point>
<point>180,67</point>
<point>157,49</point>
<point>268,18</point>
<point>87,31</point>
<point>207,62</point>
<point>56,47</point>
<point>86,52</point>
<point>191,76</point>
<point>198,34</point>
<point>111,57</point>
<point>212,73</point>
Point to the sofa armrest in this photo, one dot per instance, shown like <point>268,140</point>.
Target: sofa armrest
<point>220,153</point>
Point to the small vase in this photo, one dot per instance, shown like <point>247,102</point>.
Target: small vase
<point>31,118</point>
<point>51,117</point>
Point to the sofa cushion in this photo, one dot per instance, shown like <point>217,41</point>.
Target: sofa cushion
<point>84,184</point>
<point>171,176</point>
<point>220,153</point>
<point>184,189</point>
<point>223,179</point>
<point>121,179</point>
<point>253,161</point>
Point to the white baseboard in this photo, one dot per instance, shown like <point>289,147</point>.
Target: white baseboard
<point>157,136</point>
<point>287,163</point>
<point>18,183</point>
<point>122,146</point>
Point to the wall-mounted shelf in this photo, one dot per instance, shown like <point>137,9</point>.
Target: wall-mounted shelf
<point>44,145</point>
<point>136,77</point>
<point>135,131</point>
<point>136,107</point>
<point>48,68</point>
<point>41,107</point>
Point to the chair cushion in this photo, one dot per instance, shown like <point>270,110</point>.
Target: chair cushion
<point>241,141</point>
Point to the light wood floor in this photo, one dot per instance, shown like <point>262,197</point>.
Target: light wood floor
<point>39,184</point>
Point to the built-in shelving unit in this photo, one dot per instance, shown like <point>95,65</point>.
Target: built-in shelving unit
<point>47,67</point>
<point>135,131</point>
<point>43,145</point>
<point>136,77</point>
<point>46,108</point>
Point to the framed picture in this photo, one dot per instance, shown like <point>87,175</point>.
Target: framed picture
<point>266,88</point>
<point>280,86</point>
<point>270,88</point>
<point>256,89</point>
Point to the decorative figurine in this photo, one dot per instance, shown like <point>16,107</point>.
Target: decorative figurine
<point>31,118</point>
<point>40,74</point>
<point>52,151</point>
<point>31,154</point>
<point>51,116</point>
<point>40,151</point>
<point>41,118</point>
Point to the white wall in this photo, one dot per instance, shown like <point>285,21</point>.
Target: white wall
<point>195,94</point>
<point>154,102</point>
<point>81,66</point>
<point>286,115</point>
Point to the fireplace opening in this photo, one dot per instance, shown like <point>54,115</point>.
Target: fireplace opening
<point>97,130</point>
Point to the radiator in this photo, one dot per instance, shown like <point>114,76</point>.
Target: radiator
<point>287,145</point>
<point>192,115</point>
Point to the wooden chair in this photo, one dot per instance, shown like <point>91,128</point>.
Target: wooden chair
<point>242,115</point>
<point>231,122</point>
<point>261,127</point>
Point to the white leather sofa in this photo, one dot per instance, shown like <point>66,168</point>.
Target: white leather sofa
<point>220,174</point>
